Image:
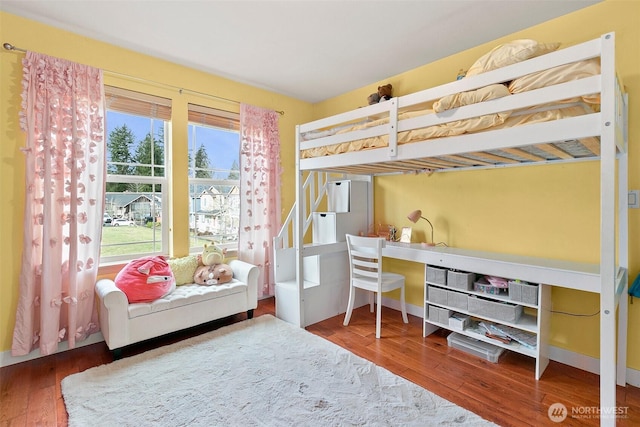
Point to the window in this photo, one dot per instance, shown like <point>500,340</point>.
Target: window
<point>214,172</point>
<point>138,128</point>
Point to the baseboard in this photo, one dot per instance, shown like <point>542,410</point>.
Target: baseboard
<point>633,377</point>
<point>6,359</point>
<point>566,357</point>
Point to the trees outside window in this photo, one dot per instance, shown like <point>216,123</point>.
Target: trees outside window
<point>214,187</point>
<point>136,175</point>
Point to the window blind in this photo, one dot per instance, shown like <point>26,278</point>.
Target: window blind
<point>141,104</point>
<point>212,117</point>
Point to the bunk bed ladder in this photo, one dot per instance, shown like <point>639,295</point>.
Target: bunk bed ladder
<point>315,189</point>
<point>287,248</point>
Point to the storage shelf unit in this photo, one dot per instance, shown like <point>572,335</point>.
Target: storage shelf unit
<point>531,318</point>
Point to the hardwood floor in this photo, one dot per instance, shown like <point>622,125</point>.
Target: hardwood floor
<point>505,393</point>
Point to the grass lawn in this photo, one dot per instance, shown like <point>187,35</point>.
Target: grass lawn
<point>123,240</point>
<point>127,240</point>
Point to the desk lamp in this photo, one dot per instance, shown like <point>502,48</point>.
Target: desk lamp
<point>415,216</point>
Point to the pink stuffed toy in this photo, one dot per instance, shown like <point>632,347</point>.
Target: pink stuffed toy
<point>146,279</point>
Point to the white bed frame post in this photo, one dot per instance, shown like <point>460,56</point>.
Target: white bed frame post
<point>298,236</point>
<point>609,284</point>
<point>623,241</point>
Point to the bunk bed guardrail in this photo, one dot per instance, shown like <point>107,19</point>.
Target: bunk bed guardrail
<point>537,142</point>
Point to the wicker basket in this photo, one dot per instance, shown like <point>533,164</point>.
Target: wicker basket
<point>502,311</point>
<point>523,292</point>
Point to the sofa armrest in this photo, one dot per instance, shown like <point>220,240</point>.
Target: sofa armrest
<point>113,313</point>
<point>249,274</point>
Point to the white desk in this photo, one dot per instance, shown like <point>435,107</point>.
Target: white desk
<point>542,271</point>
<point>574,275</point>
<point>550,272</point>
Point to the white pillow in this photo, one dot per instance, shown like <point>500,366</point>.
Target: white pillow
<point>510,53</point>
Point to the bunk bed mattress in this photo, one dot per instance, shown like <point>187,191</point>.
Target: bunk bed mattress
<point>472,125</point>
<point>552,76</point>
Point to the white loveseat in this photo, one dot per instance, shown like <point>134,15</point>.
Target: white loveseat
<point>188,305</point>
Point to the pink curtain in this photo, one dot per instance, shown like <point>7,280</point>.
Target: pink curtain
<point>259,191</point>
<point>63,113</point>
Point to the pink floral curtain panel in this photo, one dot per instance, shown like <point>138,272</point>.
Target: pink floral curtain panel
<point>259,191</point>
<point>63,113</point>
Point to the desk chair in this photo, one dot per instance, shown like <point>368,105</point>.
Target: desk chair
<point>365,271</point>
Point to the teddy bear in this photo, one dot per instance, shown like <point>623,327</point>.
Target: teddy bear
<point>384,93</point>
<point>213,274</point>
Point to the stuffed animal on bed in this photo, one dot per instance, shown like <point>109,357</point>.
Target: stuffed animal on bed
<point>384,93</point>
<point>374,98</point>
<point>213,274</point>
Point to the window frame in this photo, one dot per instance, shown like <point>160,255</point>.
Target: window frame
<point>208,117</point>
<point>124,101</point>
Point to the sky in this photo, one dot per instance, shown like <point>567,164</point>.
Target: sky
<point>222,147</point>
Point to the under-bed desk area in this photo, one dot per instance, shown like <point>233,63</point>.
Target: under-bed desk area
<point>561,106</point>
<point>537,274</point>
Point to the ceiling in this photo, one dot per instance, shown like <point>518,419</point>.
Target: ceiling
<point>309,50</point>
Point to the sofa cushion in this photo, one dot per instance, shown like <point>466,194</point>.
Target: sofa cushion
<point>185,295</point>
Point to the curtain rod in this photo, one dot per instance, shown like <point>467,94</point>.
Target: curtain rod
<point>10,47</point>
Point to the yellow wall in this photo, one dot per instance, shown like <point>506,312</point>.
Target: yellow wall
<point>34,36</point>
<point>548,211</point>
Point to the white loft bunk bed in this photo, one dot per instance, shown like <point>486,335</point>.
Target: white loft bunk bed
<point>574,127</point>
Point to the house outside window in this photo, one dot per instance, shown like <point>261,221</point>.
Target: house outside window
<point>138,129</point>
<point>214,172</point>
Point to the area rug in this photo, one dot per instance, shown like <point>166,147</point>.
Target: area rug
<point>259,372</point>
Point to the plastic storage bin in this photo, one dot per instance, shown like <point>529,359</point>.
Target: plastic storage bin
<point>487,288</point>
<point>473,346</point>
